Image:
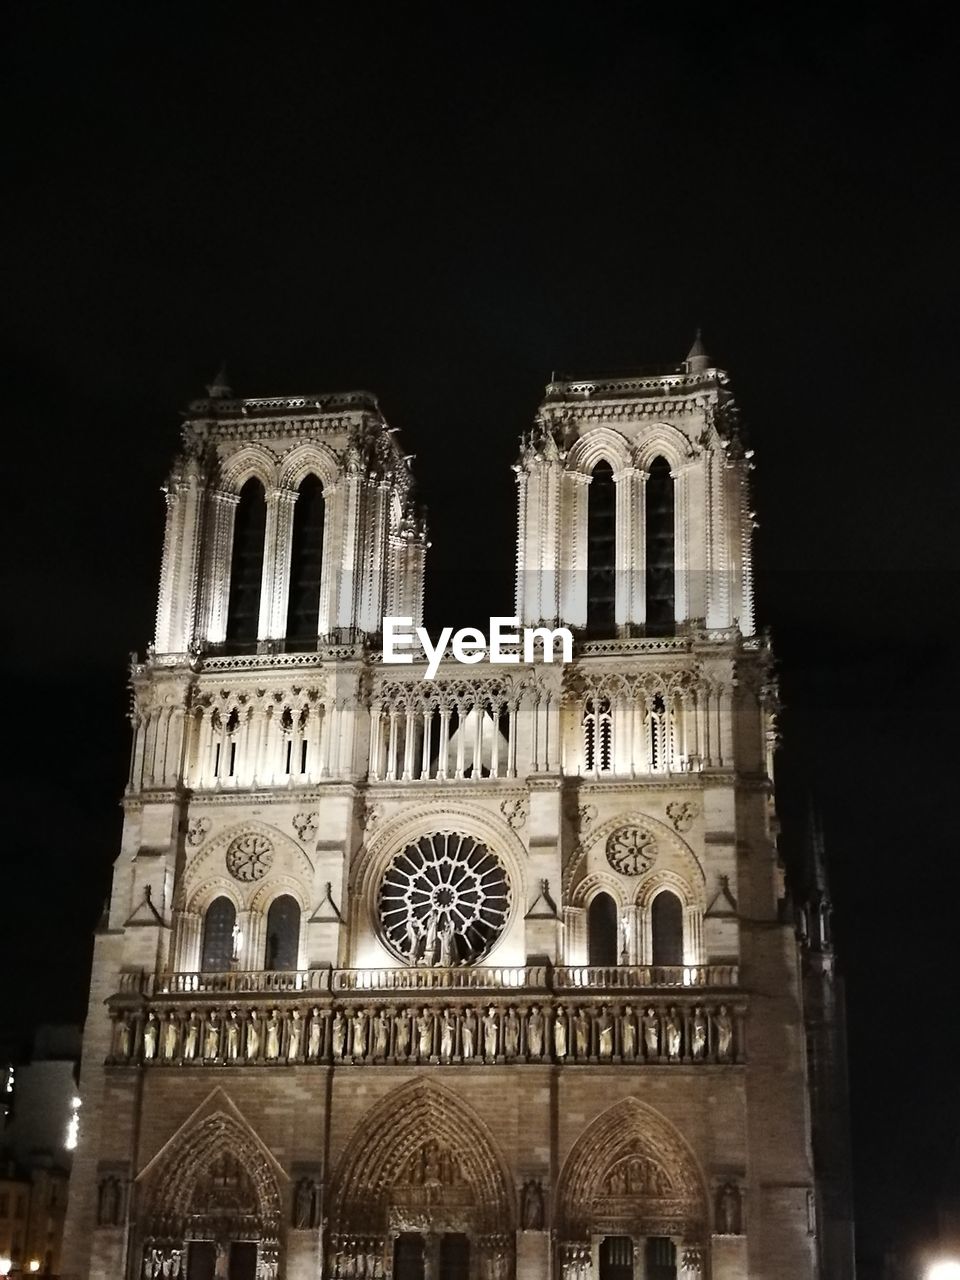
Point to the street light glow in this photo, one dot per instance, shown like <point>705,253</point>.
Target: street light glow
<point>946,1269</point>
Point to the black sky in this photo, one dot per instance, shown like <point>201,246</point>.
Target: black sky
<point>443,204</point>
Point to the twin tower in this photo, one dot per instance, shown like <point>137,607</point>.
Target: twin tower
<point>472,976</point>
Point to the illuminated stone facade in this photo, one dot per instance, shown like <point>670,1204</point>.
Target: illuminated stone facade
<point>482,975</point>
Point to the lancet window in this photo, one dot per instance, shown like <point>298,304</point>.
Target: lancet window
<point>602,930</point>
<point>660,549</point>
<point>601,550</point>
<point>306,565</point>
<point>246,567</point>
<point>283,934</point>
<point>597,735</point>
<point>219,936</point>
<point>666,928</point>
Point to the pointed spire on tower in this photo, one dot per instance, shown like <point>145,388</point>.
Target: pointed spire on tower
<point>697,360</point>
<point>219,388</point>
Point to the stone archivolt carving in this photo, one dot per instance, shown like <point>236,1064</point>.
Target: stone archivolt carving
<point>421,1159</point>
<point>249,857</point>
<point>631,850</point>
<point>631,1173</point>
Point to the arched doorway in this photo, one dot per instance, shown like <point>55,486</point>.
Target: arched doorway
<point>631,1181</point>
<point>421,1191</point>
<point>211,1205</point>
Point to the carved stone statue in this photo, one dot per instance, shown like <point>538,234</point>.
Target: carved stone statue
<point>294,1035</point>
<point>171,1036</point>
<point>211,1035</point>
<point>381,1035</point>
<point>531,1212</point>
<point>123,1037</point>
<point>535,1032</point>
<point>359,1034</point>
<point>314,1029</point>
<point>560,1032</point>
<point>232,1036</point>
<point>150,1030</point>
<point>605,1032</point>
<point>673,1033</point>
<point>468,1033</point>
<point>253,1035</point>
<point>304,1208</point>
<point>628,1034</point>
<point>429,956</point>
<point>339,1034</point>
<point>191,1036</point>
<point>490,1032</point>
<point>425,1033</point>
<point>651,1033</point>
<point>728,1210</point>
<point>273,1036</point>
<point>511,1034</point>
<point>108,1202</point>
<point>698,1033</point>
<point>447,1030</point>
<point>723,1031</point>
<point>581,1034</point>
<point>401,1022</point>
<point>446,944</point>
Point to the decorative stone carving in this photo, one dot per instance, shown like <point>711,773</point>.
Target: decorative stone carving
<point>531,1206</point>
<point>109,1199</point>
<point>197,831</point>
<point>306,1205</point>
<point>682,814</point>
<point>587,813</point>
<point>631,850</point>
<point>729,1216</point>
<point>515,812</point>
<point>723,1033</point>
<point>249,857</point>
<point>305,825</point>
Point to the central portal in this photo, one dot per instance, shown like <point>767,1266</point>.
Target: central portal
<point>431,1257</point>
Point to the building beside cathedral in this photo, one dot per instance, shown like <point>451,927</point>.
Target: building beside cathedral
<point>485,975</point>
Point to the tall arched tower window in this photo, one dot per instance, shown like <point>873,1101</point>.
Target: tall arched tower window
<point>216,952</point>
<point>666,927</point>
<point>306,564</point>
<point>283,933</point>
<point>601,551</point>
<point>660,549</point>
<point>602,930</point>
<point>246,565</point>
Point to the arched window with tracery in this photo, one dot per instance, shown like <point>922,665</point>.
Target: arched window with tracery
<point>666,929</point>
<point>660,549</point>
<point>306,565</point>
<point>283,933</point>
<point>602,930</point>
<point>601,551</point>
<point>246,566</point>
<point>219,939</point>
<point>597,735</point>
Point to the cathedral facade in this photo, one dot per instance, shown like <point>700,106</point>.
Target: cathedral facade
<point>472,977</point>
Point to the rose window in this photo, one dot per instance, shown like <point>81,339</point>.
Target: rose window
<point>444,900</point>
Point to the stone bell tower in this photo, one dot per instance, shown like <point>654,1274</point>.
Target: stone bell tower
<point>469,974</point>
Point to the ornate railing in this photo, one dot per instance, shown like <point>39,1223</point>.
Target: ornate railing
<point>562,979</point>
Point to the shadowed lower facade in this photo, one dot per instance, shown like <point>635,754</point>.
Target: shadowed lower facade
<point>484,975</point>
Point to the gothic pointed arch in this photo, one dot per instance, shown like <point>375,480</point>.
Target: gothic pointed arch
<point>602,444</point>
<point>631,1173</point>
<point>421,1158</point>
<point>213,1180</point>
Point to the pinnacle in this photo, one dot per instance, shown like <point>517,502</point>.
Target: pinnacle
<point>697,361</point>
<point>219,388</point>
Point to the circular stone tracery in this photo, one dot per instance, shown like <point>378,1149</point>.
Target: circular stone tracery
<point>443,900</point>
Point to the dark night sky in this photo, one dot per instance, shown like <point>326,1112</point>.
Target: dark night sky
<point>443,204</point>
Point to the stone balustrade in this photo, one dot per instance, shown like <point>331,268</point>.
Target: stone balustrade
<point>559,978</point>
<point>493,1029</point>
